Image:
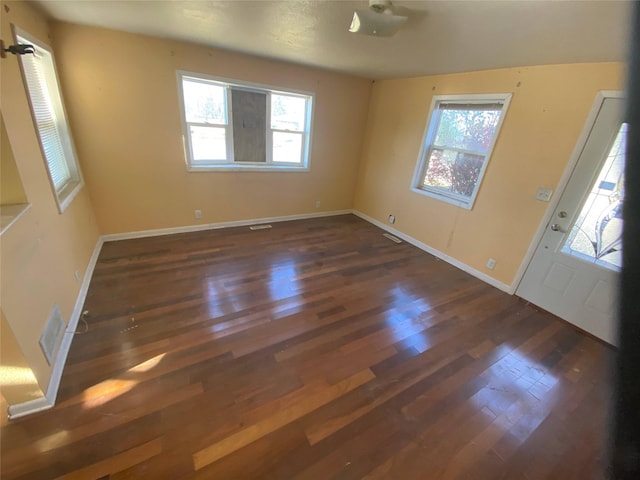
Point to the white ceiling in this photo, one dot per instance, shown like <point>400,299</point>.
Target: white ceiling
<point>440,36</point>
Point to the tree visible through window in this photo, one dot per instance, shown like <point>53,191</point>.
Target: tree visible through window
<point>457,145</point>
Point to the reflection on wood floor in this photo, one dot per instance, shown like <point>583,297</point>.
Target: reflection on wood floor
<point>317,349</point>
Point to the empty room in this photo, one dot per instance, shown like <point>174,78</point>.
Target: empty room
<point>311,239</point>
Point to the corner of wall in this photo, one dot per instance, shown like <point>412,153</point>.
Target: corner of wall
<point>42,240</point>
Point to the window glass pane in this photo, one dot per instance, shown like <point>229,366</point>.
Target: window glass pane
<point>597,234</point>
<point>468,128</point>
<point>287,112</point>
<point>454,171</point>
<point>208,143</point>
<point>204,102</point>
<point>287,147</point>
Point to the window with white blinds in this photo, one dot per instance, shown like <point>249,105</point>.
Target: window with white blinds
<point>49,118</point>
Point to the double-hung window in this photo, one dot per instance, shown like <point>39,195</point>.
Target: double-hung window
<point>457,145</point>
<point>50,120</point>
<point>240,126</point>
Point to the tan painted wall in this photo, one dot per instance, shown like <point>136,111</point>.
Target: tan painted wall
<point>11,191</point>
<point>122,100</point>
<point>41,251</point>
<point>17,381</point>
<point>547,113</point>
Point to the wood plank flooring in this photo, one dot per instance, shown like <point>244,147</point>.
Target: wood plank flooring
<point>317,349</point>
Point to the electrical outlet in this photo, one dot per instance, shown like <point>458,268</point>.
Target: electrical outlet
<point>544,194</point>
<point>77,275</point>
<point>198,213</point>
<point>392,219</point>
<point>317,203</point>
<point>491,264</point>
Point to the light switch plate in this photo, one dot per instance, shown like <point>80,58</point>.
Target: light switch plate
<point>544,194</point>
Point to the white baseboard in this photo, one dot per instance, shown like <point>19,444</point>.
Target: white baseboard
<point>437,253</point>
<point>27,408</point>
<point>213,226</point>
<point>49,400</point>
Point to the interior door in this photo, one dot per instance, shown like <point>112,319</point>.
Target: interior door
<point>574,270</point>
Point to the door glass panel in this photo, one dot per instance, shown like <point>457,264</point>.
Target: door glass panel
<point>597,234</point>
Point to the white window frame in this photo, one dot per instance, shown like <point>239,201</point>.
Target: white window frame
<point>227,125</point>
<point>433,123</point>
<point>230,164</point>
<point>65,193</point>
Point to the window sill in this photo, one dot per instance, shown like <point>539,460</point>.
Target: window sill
<point>10,214</point>
<point>248,168</point>
<point>443,198</point>
<point>66,196</point>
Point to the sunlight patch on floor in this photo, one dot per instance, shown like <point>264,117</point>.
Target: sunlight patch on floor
<point>112,388</point>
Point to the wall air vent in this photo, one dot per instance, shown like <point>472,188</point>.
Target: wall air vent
<point>52,334</point>
<point>259,227</point>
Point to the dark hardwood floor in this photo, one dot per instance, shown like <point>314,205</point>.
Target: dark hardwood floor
<point>318,349</point>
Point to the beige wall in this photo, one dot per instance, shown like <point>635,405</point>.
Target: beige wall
<point>547,113</point>
<point>11,191</point>
<point>122,100</point>
<point>17,380</point>
<point>42,250</point>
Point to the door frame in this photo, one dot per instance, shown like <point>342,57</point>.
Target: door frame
<point>601,96</point>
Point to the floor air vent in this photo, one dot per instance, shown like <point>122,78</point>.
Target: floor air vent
<point>52,334</point>
<point>393,238</point>
<point>259,227</point>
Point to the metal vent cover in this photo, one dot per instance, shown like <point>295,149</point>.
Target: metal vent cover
<point>393,238</point>
<point>52,334</point>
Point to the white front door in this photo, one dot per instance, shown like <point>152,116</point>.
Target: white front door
<point>574,270</point>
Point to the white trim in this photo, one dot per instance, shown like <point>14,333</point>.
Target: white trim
<point>249,167</point>
<point>436,253</point>
<point>14,212</point>
<point>68,198</point>
<point>49,400</point>
<point>27,408</point>
<point>564,180</point>
<point>214,226</point>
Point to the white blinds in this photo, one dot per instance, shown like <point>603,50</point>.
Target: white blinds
<point>38,69</point>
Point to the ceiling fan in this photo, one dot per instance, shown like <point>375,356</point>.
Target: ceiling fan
<point>382,19</point>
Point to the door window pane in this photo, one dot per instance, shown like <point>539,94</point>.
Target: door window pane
<point>597,234</point>
<point>208,143</point>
